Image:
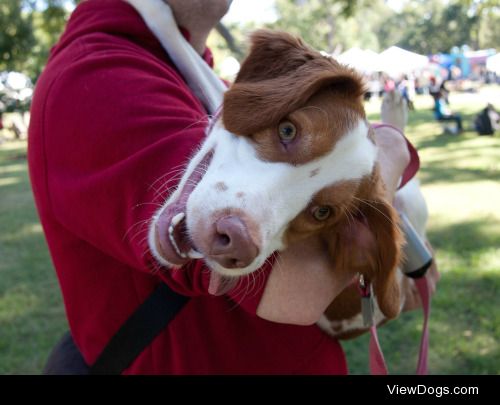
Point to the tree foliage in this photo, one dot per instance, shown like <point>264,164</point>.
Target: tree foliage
<point>48,25</point>
<point>29,29</point>
<point>488,35</point>
<point>16,36</point>
<point>424,26</point>
<point>429,26</point>
<point>332,25</point>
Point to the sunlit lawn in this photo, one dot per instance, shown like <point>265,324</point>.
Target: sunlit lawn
<point>31,312</point>
<point>461,181</point>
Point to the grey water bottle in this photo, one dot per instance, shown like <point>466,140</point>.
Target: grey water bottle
<point>417,257</point>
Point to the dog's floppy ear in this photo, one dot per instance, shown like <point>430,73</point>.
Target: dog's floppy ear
<point>370,243</point>
<point>273,54</point>
<point>278,76</point>
<point>383,261</point>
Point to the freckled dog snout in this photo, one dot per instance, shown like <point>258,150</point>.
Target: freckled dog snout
<point>231,244</point>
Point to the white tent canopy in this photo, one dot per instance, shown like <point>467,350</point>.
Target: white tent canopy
<point>396,61</point>
<point>493,63</point>
<point>365,61</point>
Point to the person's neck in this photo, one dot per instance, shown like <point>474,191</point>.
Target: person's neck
<point>198,42</point>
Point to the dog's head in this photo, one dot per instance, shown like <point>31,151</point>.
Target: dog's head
<point>292,156</point>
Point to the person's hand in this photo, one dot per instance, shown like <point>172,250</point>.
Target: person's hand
<point>412,297</point>
<point>302,284</point>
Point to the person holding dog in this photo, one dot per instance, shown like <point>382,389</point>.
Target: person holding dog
<point>95,163</point>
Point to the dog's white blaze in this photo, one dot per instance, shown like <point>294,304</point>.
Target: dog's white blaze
<point>274,192</point>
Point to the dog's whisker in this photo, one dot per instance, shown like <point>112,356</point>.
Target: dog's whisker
<point>143,241</point>
<point>261,281</point>
<point>146,203</point>
<point>348,215</point>
<point>156,268</point>
<point>376,209</point>
<point>239,291</point>
<point>252,284</point>
<point>203,120</point>
<point>259,276</point>
<point>139,223</point>
<point>164,194</point>
<point>145,235</point>
<point>179,169</point>
<point>278,262</point>
<point>171,182</point>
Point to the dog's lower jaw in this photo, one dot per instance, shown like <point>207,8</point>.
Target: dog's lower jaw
<point>157,251</point>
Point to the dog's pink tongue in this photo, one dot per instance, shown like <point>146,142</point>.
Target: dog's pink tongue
<point>220,285</point>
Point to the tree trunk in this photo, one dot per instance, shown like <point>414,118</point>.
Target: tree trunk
<point>228,37</point>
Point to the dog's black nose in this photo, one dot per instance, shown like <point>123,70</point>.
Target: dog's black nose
<point>231,245</point>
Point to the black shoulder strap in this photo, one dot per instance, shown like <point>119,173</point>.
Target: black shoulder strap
<point>152,316</point>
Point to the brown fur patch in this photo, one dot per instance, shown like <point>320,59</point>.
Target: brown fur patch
<point>320,122</point>
<point>282,78</point>
<point>346,305</point>
<point>338,196</point>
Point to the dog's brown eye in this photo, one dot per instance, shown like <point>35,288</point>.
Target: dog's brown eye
<point>322,212</point>
<point>287,131</point>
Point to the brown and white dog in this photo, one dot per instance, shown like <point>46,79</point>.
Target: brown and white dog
<point>290,156</point>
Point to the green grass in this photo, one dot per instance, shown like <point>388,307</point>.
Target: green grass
<point>31,310</point>
<point>461,181</point>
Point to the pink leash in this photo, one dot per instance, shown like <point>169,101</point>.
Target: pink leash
<point>424,291</point>
<point>377,361</point>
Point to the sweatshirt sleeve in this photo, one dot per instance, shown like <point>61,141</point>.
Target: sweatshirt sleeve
<point>117,132</point>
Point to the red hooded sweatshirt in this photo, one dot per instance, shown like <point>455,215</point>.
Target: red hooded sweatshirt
<point>111,115</point>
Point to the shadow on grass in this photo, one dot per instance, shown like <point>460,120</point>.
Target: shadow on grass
<point>444,140</point>
<point>442,173</point>
<point>439,141</point>
<point>450,156</point>
<point>466,237</point>
<point>31,309</point>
